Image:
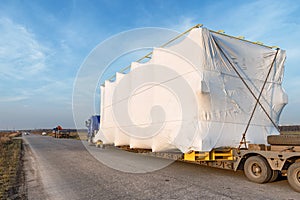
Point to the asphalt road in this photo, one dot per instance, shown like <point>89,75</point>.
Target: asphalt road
<point>64,169</point>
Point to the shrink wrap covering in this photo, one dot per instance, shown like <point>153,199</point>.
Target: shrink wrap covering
<point>189,96</point>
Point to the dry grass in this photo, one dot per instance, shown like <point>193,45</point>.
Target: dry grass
<point>5,139</point>
<point>82,135</point>
<point>10,165</point>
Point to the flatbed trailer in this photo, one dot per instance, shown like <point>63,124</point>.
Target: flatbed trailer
<point>260,163</point>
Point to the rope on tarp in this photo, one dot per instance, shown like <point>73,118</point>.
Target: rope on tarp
<point>243,140</point>
<point>247,86</point>
<point>242,38</point>
<point>180,35</point>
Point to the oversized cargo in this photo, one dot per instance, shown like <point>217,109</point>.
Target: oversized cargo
<point>201,93</point>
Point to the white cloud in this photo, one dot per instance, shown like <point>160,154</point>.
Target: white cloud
<point>26,67</point>
<point>13,99</point>
<point>184,23</point>
<point>59,91</point>
<point>260,17</point>
<point>21,55</point>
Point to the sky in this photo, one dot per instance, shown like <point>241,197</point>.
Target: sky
<point>44,43</point>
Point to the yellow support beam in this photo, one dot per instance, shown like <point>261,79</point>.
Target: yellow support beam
<point>226,155</point>
<point>190,156</point>
<point>213,155</point>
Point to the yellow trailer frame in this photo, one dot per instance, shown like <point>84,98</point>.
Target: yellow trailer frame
<point>214,155</point>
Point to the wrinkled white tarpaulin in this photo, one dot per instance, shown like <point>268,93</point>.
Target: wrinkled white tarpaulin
<point>189,96</point>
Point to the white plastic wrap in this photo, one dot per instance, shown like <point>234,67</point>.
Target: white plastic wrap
<point>189,97</point>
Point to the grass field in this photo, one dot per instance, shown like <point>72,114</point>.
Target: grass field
<point>10,166</point>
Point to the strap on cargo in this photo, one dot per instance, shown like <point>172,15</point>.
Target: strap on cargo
<point>243,141</point>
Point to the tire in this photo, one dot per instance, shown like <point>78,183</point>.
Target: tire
<point>293,176</point>
<point>257,169</point>
<point>275,175</point>
<point>284,139</point>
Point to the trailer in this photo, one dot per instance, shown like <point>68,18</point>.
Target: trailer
<point>231,96</point>
<point>260,163</point>
<point>59,132</point>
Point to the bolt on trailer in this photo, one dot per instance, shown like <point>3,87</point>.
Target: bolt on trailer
<point>220,98</point>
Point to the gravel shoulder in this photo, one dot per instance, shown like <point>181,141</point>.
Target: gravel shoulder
<point>34,184</point>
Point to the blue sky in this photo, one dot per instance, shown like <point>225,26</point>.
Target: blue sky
<point>43,43</point>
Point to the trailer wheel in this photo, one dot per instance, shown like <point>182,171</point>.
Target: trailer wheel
<point>257,169</point>
<point>275,174</point>
<point>293,176</point>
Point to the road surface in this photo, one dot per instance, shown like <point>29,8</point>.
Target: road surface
<point>64,169</point>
